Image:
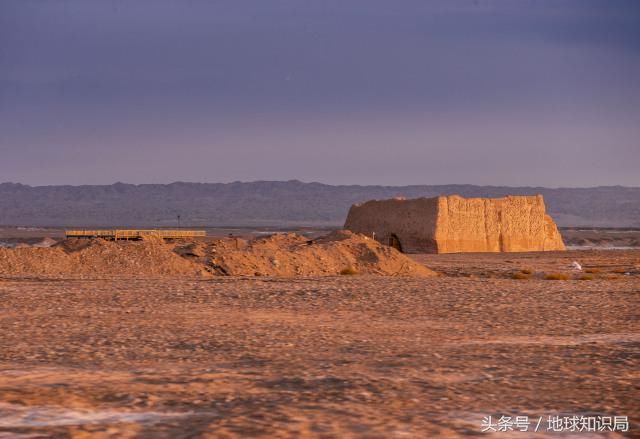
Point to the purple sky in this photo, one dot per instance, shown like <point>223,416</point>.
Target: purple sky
<point>339,91</point>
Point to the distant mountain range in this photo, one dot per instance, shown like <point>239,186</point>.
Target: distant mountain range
<point>276,203</point>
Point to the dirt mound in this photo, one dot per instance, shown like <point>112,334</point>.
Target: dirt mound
<point>278,255</point>
<point>74,257</point>
<point>340,252</point>
<point>46,242</point>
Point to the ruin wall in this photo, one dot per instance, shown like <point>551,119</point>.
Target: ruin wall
<point>452,224</point>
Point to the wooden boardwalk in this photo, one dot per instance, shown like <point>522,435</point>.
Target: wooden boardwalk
<point>116,234</point>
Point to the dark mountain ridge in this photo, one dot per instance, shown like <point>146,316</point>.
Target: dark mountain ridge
<point>277,203</point>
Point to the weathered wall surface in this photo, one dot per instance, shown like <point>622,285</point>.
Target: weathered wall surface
<point>413,222</point>
<point>455,224</point>
<point>510,224</point>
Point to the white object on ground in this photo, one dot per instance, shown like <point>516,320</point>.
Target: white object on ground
<point>576,265</point>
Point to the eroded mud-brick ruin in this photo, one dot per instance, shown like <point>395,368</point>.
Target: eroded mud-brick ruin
<point>451,224</point>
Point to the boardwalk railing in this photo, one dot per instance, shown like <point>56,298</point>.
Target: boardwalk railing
<point>134,234</point>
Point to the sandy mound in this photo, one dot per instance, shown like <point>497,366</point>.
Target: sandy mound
<point>75,257</point>
<point>46,242</point>
<point>341,252</point>
<point>279,255</point>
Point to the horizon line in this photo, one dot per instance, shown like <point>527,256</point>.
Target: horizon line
<point>317,183</point>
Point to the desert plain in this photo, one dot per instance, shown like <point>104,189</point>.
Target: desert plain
<point>352,355</point>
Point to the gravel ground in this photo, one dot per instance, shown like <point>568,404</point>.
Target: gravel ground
<point>352,356</point>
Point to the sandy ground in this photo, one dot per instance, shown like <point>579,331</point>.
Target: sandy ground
<point>595,264</point>
<point>601,238</point>
<point>351,356</point>
<point>574,238</point>
<point>31,235</point>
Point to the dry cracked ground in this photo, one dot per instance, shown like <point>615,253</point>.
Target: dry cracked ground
<point>351,356</point>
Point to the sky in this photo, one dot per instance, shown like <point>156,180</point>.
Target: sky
<point>392,92</point>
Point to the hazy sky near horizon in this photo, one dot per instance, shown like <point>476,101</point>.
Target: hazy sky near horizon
<point>530,92</point>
